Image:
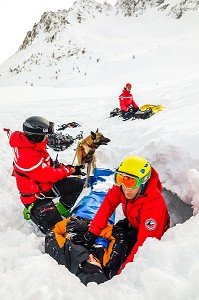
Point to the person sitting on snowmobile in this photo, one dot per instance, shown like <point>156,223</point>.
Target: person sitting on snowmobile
<point>128,107</point>
<point>39,180</point>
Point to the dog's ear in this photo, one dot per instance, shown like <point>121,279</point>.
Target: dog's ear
<point>93,135</point>
<point>97,130</point>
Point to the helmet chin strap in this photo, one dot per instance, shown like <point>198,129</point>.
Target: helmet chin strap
<point>142,188</point>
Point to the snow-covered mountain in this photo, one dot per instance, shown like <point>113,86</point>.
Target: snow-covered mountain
<point>71,43</point>
<point>173,8</point>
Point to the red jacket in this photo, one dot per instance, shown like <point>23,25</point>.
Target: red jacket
<point>32,167</point>
<point>147,213</point>
<point>126,99</point>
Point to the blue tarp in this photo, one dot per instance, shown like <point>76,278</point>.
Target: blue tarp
<point>99,175</point>
<point>89,205</point>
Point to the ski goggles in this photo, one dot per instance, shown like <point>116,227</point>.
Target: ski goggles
<point>51,128</point>
<point>129,181</point>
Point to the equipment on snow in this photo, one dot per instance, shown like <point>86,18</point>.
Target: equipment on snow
<point>115,112</point>
<point>155,108</point>
<point>145,111</point>
<point>60,142</point>
<point>145,114</point>
<point>69,125</point>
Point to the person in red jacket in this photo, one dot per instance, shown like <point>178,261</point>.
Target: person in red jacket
<point>138,188</point>
<point>128,106</point>
<point>38,179</point>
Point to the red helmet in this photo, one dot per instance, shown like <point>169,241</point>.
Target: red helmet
<point>128,86</point>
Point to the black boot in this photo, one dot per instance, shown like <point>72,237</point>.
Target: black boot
<point>45,215</point>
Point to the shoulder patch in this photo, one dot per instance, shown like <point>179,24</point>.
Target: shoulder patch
<point>150,224</point>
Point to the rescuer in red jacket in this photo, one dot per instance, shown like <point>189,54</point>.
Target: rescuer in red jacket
<point>138,188</point>
<point>128,106</point>
<point>38,179</point>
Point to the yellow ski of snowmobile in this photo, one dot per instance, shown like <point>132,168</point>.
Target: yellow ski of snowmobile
<point>155,108</point>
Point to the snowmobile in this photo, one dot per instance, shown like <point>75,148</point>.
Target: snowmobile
<point>145,111</point>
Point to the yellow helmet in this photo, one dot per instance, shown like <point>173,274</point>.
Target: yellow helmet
<point>136,166</point>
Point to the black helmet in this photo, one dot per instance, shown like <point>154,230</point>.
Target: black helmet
<point>35,128</point>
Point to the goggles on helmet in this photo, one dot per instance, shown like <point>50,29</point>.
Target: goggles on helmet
<point>38,129</point>
<point>51,127</point>
<point>129,181</point>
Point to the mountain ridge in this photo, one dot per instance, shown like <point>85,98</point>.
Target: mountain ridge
<point>59,44</point>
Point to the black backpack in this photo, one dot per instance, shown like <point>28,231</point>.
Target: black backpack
<point>59,141</point>
<point>115,112</point>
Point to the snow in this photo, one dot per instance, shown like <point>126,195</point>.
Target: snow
<point>166,269</point>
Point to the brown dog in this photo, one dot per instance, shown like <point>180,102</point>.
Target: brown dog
<point>85,151</point>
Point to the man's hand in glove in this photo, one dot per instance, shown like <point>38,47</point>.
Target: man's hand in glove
<point>78,170</point>
<point>86,239</point>
<point>109,273</point>
<point>78,224</point>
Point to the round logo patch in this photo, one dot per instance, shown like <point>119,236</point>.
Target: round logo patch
<point>44,165</point>
<point>150,224</point>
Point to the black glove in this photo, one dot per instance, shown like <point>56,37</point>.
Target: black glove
<point>78,224</point>
<point>98,251</point>
<point>109,273</point>
<point>78,170</point>
<point>85,239</point>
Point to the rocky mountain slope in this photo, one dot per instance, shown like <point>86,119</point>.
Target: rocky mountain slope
<point>69,43</point>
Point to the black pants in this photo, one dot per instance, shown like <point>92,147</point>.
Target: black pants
<point>126,115</point>
<point>44,213</point>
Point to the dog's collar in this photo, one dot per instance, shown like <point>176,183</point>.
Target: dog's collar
<point>90,146</point>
